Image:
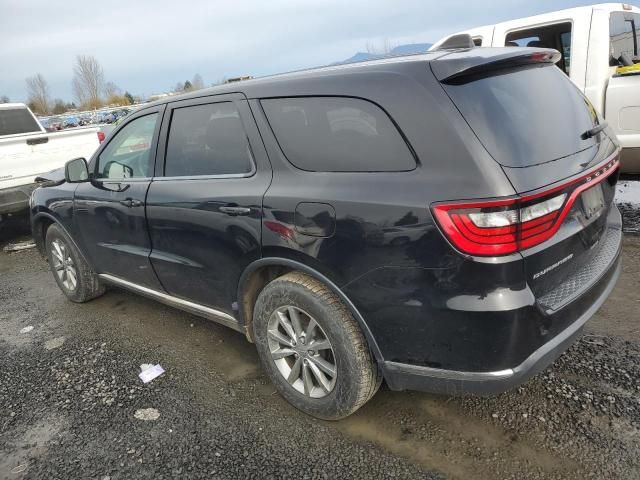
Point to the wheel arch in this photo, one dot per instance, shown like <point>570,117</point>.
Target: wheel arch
<point>259,273</point>
<point>40,223</point>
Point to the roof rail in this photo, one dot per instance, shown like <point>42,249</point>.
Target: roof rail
<point>238,79</point>
<point>462,40</point>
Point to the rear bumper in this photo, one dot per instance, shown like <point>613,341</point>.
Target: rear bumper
<point>401,376</point>
<point>16,199</point>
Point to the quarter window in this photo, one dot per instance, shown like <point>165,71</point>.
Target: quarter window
<point>207,140</point>
<point>335,134</point>
<point>128,154</point>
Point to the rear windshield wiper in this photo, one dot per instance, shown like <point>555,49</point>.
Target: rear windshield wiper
<point>594,131</point>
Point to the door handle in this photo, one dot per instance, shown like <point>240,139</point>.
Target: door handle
<point>37,141</point>
<point>130,202</point>
<point>235,211</point>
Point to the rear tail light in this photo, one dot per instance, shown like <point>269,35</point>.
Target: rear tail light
<point>101,136</point>
<point>504,226</point>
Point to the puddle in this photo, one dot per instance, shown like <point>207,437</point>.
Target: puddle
<point>431,431</point>
<point>628,201</point>
<point>628,191</point>
<point>31,443</point>
<point>203,347</point>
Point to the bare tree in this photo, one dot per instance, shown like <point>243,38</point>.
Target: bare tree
<point>383,49</point>
<point>111,90</point>
<point>197,83</point>
<point>179,88</point>
<point>58,107</point>
<point>4,99</point>
<point>221,81</point>
<point>38,93</point>
<point>88,81</point>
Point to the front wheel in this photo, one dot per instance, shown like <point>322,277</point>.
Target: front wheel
<point>71,272</point>
<point>312,348</point>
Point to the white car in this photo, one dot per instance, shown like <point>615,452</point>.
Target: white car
<point>600,47</point>
<point>28,151</point>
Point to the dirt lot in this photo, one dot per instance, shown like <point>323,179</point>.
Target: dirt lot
<point>70,398</point>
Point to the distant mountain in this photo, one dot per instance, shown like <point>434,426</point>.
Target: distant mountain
<point>407,49</point>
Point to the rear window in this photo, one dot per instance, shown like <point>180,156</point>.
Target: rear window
<point>526,116</point>
<point>624,30</point>
<point>17,120</point>
<point>335,134</point>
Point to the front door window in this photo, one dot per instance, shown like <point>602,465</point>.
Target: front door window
<point>128,154</point>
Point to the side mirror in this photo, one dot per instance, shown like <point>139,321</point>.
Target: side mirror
<point>76,171</point>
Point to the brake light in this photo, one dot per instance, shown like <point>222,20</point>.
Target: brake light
<point>101,136</point>
<point>504,226</point>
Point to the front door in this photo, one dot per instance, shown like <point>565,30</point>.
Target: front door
<point>110,209</point>
<point>204,206</point>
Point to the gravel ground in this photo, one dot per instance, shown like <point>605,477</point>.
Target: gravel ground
<point>628,200</point>
<point>72,406</point>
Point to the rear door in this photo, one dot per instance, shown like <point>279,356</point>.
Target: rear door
<point>204,207</point>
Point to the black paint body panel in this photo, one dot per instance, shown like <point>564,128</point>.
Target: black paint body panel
<point>372,235</point>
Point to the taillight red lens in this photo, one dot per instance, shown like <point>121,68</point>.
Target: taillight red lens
<point>504,226</point>
<point>101,136</point>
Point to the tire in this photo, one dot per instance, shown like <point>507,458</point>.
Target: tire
<point>86,285</point>
<point>296,298</point>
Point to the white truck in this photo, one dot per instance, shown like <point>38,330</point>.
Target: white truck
<point>28,151</point>
<point>600,48</point>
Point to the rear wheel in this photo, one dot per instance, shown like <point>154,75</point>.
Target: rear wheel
<point>71,272</point>
<point>312,348</point>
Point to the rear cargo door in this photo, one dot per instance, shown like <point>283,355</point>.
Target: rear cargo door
<point>552,146</point>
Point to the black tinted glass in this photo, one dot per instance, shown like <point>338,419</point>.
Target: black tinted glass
<point>207,140</point>
<point>17,120</point>
<point>337,135</point>
<point>526,116</point>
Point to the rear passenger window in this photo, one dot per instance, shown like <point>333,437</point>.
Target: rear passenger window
<point>207,140</point>
<point>335,134</point>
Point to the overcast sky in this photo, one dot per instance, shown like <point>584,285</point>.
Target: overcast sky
<point>146,46</point>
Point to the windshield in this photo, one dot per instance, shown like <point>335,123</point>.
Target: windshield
<point>525,116</point>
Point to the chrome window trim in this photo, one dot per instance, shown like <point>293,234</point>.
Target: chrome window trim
<point>205,177</point>
<point>122,180</point>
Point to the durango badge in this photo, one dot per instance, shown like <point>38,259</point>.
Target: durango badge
<point>553,267</point>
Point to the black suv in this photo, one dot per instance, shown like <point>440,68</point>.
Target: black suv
<point>442,221</point>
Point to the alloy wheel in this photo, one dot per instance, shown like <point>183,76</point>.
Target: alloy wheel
<point>302,352</point>
<point>63,265</point>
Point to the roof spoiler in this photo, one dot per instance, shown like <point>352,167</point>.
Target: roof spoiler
<point>455,42</point>
<point>458,65</point>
